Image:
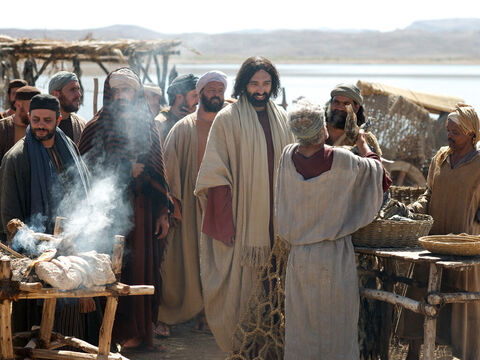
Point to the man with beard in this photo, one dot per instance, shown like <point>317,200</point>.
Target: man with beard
<point>35,175</point>
<point>155,98</point>
<point>13,86</point>
<point>456,166</point>
<point>123,140</point>
<point>235,188</point>
<point>336,115</point>
<point>182,99</point>
<point>65,86</point>
<point>184,149</point>
<point>14,127</point>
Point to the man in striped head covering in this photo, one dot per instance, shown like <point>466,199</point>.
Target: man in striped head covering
<point>452,198</point>
<point>122,140</point>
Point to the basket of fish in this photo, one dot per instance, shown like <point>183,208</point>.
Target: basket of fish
<point>394,227</point>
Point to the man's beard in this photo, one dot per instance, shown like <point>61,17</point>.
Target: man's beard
<point>48,136</point>
<point>210,106</point>
<point>122,108</point>
<point>256,102</point>
<point>67,107</point>
<point>337,119</point>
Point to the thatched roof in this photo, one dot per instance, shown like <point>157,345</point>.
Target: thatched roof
<point>85,50</point>
<point>434,103</point>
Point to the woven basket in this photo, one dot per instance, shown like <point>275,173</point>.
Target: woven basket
<point>395,234</point>
<point>462,245</point>
<point>406,194</point>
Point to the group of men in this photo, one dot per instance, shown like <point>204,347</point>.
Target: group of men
<point>211,187</point>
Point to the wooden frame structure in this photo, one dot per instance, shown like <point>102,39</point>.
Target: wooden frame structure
<point>435,299</point>
<point>36,55</point>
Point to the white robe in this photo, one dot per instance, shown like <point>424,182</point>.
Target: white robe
<point>317,216</point>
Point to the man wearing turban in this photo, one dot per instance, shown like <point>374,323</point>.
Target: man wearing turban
<point>235,187</point>
<point>452,198</point>
<point>123,141</point>
<point>184,149</point>
<point>182,99</point>
<point>323,195</point>
<point>14,127</point>
<point>13,86</point>
<point>65,86</point>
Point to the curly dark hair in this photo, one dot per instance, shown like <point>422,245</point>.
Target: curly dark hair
<point>250,68</point>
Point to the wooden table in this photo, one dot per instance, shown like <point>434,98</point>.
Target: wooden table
<point>435,298</point>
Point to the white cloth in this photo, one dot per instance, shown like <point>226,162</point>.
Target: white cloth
<point>210,76</point>
<point>317,216</point>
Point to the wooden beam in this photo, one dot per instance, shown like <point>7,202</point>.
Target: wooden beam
<point>76,343</point>
<point>44,66</point>
<point>102,67</point>
<point>395,299</point>
<point>446,298</point>
<point>430,324</point>
<point>147,67</point>
<point>48,293</point>
<point>157,68</point>
<point>105,335</point>
<point>13,63</point>
<point>6,344</point>
<point>48,318</point>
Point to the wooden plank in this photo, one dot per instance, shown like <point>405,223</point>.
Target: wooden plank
<point>429,327</point>
<point>134,290</point>
<point>105,335</point>
<point>48,318</point>
<point>66,355</point>
<point>6,344</point>
<point>117,255</point>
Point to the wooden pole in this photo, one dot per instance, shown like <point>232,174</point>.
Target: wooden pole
<point>48,318</point>
<point>157,68</point>
<point>429,327</point>
<point>95,95</point>
<point>105,336</point>
<point>44,66</point>
<point>6,344</point>
<point>446,298</point>
<point>117,255</point>
<point>164,72</point>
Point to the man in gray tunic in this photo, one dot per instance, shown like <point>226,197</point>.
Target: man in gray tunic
<point>323,195</point>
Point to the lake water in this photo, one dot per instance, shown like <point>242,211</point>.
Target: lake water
<point>316,80</point>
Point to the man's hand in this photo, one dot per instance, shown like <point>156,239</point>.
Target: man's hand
<point>161,227</point>
<point>137,169</point>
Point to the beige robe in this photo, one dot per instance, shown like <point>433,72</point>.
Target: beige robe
<point>452,198</point>
<point>236,155</point>
<point>317,216</point>
<point>181,297</point>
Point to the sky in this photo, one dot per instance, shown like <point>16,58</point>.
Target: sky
<point>217,16</point>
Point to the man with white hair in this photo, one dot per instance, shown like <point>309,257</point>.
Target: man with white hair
<point>65,86</point>
<point>452,198</point>
<point>323,195</point>
<point>184,149</point>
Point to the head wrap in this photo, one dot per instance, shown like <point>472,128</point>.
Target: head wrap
<point>182,85</point>
<point>60,79</point>
<point>153,89</point>
<point>466,118</point>
<point>306,119</point>
<point>348,90</point>
<point>124,77</point>
<point>26,93</point>
<point>16,83</point>
<point>210,76</point>
<point>45,101</point>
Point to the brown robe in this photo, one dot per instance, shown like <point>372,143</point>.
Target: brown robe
<point>73,127</point>
<point>7,135</point>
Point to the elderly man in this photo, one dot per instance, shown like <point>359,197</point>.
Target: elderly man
<point>235,187</point>
<point>14,127</point>
<point>182,99</point>
<point>124,141</point>
<point>323,195</point>
<point>35,174</point>
<point>336,115</point>
<point>184,149</point>
<point>65,87</point>
<point>452,198</point>
<point>13,86</point>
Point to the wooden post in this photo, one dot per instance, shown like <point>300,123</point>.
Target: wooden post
<point>429,327</point>
<point>157,68</point>
<point>105,336</point>
<point>164,72</point>
<point>95,95</point>
<point>117,255</point>
<point>6,344</point>
<point>48,318</point>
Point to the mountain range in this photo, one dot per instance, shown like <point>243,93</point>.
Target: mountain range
<point>447,40</point>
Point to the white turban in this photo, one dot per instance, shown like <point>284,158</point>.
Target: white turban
<point>210,76</point>
<point>124,77</point>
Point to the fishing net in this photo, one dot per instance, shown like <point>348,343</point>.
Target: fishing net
<point>404,130</point>
<point>260,334</point>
